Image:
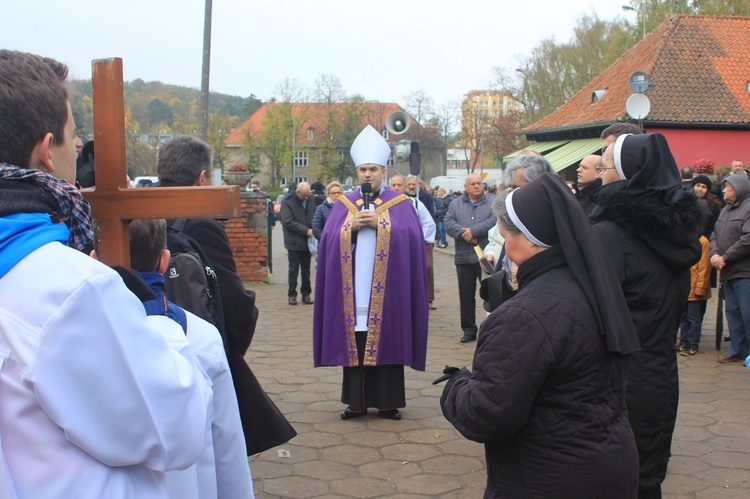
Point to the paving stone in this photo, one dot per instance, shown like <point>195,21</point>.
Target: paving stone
<point>350,454</point>
<point>324,470</point>
<point>728,478</point>
<point>687,465</point>
<point>433,485</point>
<point>263,469</point>
<point>409,452</point>
<point>462,447</point>
<point>363,487</point>
<point>390,470</point>
<point>318,440</point>
<point>373,439</point>
<point>734,460</point>
<point>730,416</point>
<point>735,430</point>
<point>452,465</point>
<point>295,486</point>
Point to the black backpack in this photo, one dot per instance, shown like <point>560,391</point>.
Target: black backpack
<point>191,281</point>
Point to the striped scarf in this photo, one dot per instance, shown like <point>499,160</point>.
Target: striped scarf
<point>36,191</point>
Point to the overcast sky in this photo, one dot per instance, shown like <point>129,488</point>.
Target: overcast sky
<point>382,49</point>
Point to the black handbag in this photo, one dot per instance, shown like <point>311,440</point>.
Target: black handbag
<point>495,289</point>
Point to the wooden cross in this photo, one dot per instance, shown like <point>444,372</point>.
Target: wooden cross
<point>113,204</point>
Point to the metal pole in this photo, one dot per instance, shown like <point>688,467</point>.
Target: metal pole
<point>205,73</point>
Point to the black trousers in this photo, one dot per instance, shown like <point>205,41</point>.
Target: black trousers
<point>469,274</point>
<point>379,386</point>
<point>299,259</point>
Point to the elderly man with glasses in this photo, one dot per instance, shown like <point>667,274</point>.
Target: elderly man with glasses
<point>468,221</point>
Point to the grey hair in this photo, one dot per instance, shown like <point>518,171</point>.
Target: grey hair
<point>501,212</point>
<point>533,167</point>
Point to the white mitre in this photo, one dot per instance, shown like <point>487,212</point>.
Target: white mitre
<point>370,148</point>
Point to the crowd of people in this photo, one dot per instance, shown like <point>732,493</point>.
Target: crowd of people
<point>109,389</point>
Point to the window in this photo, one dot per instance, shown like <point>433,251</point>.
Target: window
<point>310,134</point>
<point>300,158</point>
<point>391,162</point>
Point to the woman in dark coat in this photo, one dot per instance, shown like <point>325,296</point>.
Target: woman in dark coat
<point>547,391</point>
<point>649,227</point>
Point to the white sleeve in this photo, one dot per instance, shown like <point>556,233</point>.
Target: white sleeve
<point>115,387</point>
<point>233,478</point>
<point>495,245</point>
<point>426,221</point>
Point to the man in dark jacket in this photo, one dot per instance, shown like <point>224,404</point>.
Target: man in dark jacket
<point>468,221</point>
<point>588,181</point>
<point>185,161</point>
<point>730,253</point>
<point>297,212</point>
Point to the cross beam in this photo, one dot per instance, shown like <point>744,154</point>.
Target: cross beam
<point>113,204</point>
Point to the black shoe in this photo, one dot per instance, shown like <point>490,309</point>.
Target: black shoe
<point>349,414</point>
<point>292,300</point>
<point>307,300</point>
<point>394,414</point>
<point>469,337</point>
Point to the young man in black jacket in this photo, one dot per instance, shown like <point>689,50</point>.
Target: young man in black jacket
<point>186,161</point>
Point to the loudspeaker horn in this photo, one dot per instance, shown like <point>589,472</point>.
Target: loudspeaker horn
<point>398,123</point>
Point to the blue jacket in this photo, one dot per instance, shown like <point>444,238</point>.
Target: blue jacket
<point>320,218</point>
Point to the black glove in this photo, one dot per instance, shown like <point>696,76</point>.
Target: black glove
<point>448,373</point>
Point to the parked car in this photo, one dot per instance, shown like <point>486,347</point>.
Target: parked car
<point>277,206</point>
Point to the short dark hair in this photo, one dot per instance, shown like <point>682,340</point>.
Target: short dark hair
<point>621,128</point>
<point>148,238</point>
<point>33,102</point>
<point>686,172</point>
<point>181,161</point>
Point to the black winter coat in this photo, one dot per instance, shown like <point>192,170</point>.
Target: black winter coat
<point>263,425</point>
<point>652,246</point>
<point>545,396</point>
<point>297,219</point>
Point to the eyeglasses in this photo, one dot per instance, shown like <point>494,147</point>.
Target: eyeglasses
<point>335,193</point>
<point>601,169</point>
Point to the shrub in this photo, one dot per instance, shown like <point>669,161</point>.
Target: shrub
<point>704,166</point>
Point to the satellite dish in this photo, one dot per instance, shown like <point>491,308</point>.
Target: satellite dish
<point>638,106</point>
<point>639,82</point>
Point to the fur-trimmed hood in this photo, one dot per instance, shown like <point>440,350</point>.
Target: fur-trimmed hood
<point>670,230</point>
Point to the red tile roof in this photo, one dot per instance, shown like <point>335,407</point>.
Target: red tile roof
<point>314,116</point>
<point>699,68</point>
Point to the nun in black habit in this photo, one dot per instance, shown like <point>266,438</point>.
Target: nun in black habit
<point>546,394</point>
<point>649,227</point>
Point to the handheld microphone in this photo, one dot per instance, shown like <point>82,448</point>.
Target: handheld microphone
<point>366,190</point>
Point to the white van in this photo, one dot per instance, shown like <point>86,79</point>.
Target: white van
<point>449,183</point>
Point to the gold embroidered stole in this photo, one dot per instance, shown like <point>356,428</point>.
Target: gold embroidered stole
<point>377,293</point>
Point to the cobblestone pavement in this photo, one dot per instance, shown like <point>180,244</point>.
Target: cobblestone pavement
<point>422,455</point>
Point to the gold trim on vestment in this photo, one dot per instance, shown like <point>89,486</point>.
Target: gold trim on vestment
<point>377,293</point>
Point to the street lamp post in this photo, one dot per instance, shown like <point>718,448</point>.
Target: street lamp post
<point>639,11</point>
<point>525,91</point>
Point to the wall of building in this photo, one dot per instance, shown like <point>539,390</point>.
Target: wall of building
<point>248,237</point>
<point>721,146</point>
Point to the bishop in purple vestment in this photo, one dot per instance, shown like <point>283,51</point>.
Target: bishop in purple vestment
<point>372,339</point>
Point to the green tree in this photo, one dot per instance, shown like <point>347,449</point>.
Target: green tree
<point>160,112</point>
<point>219,127</point>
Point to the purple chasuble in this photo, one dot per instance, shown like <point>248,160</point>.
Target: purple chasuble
<point>398,314</point>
